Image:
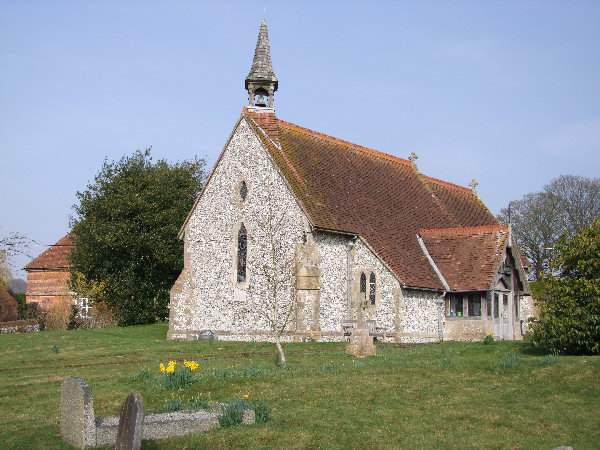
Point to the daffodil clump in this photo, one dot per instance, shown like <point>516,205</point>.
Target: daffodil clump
<point>178,377</point>
<point>489,338</point>
<point>192,365</point>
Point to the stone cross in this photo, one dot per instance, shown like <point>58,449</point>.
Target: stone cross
<point>131,423</point>
<point>77,423</point>
<point>413,157</point>
<point>473,185</point>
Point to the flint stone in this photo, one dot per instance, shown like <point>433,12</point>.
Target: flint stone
<point>131,423</point>
<point>77,425</point>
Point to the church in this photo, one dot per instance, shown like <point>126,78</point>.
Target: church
<point>317,229</point>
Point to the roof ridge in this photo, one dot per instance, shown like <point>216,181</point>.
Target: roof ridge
<point>447,184</point>
<point>278,147</point>
<point>342,142</point>
<point>465,230</point>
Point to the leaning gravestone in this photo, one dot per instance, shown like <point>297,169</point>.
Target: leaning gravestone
<point>77,424</point>
<point>131,423</point>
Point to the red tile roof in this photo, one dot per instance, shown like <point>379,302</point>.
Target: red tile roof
<point>56,257</point>
<point>384,199</point>
<point>468,258</point>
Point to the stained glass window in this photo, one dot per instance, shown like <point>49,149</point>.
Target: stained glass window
<point>372,288</point>
<point>241,254</point>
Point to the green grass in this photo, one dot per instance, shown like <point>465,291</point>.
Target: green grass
<point>449,395</point>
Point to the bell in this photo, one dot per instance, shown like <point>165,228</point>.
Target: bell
<point>261,101</point>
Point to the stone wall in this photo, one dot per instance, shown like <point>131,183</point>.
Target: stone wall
<point>207,295</point>
<point>419,316</point>
<point>526,311</point>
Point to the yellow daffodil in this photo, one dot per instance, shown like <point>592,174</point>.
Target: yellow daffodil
<point>162,367</point>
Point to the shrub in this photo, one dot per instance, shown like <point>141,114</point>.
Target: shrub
<point>569,321</point>
<point>173,405</point>
<point>233,414</point>
<point>510,361</point>
<point>488,339</point>
<point>57,316</point>
<point>261,411</point>
<point>143,374</point>
<point>176,377</point>
<point>198,403</point>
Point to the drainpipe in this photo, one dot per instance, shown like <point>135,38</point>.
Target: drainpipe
<point>440,317</point>
<point>349,246</point>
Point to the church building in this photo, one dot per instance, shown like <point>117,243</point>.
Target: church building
<point>335,228</point>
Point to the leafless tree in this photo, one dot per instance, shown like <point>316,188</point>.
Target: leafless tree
<point>15,244</point>
<point>566,205</point>
<point>273,284</point>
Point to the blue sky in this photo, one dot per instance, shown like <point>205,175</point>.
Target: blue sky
<point>506,92</point>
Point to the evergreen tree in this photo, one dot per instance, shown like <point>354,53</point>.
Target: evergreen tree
<point>125,232</point>
<point>569,321</point>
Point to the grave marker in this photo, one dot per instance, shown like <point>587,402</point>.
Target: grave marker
<point>131,423</point>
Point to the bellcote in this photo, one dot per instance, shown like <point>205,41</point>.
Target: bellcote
<point>261,81</point>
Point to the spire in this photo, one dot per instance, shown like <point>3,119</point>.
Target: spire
<point>261,80</point>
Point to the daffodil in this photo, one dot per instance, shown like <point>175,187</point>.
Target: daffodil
<point>162,367</point>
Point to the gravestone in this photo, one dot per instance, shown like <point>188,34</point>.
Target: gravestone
<point>131,423</point>
<point>77,424</point>
<point>361,342</point>
<point>206,335</point>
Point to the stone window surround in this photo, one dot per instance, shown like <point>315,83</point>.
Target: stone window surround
<point>237,193</point>
<point>234,266</point>
<point>367,271</point>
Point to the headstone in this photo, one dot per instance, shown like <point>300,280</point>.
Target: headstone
<point>131,423</point>
<point>77,424</point>
<point>206,335</point>
<point>361,342</point>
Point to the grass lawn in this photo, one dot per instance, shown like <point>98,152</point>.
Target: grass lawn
<point>449,395</point>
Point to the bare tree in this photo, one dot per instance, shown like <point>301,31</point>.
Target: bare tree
<point>273,284</point>
<point>15,244</point>
<point>566,205</point>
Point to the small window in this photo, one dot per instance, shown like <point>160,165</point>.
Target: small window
<point>475,304</point>
<point>488,305</point>
<point>456,306</point>
<point>242,251</point>
<point>372,288</point>
<point>516,315</point>
<point>496,306</point>
<point>363,286</point>
<point>244,191</point>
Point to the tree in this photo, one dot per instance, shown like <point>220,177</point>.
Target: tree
<point>125,232</point>
<point>273,283</point>
<point>566,205</point>
<point>5,273</point>
<point>569,321</point>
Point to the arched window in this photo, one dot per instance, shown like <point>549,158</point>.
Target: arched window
<point>363,286</point>
<point>243,191</point>
<point>242,251</point>
<point>372,288</point>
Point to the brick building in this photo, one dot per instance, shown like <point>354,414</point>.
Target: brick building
<point>48,275</point>
<point>423,259</point>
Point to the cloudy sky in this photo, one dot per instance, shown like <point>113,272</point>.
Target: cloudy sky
<point>506,92</point>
